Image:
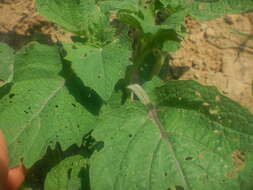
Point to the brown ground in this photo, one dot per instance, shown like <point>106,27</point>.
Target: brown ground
<point>214,55</point>
<point>20,23</point>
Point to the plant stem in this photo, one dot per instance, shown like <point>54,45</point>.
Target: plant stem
<point>160,58</point>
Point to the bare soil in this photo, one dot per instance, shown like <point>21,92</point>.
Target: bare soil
<point>21,23</point>
<point>212,54</point>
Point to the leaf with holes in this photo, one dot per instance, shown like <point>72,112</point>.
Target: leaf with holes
<point>100,67</point>
<point>6,63</point>
<point>73,173</point>
<point>172,146</point>
<point>41,107</point>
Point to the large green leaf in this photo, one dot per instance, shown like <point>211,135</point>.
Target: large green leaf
<point>6,63</point>
<point>39,109</point>
<point>83,17</point>
<point>191,95</point>
<point>69,174</point>
<point>100,67</point>
<point>174,146</point>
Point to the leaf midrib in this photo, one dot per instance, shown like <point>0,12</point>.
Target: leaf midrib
<point>164,135</point>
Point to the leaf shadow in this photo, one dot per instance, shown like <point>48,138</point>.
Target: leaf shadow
<point>33,33</point>
<point>5,89</point>
<point>36,175</point>
<point>84,176</point>
<point>170,72</point>
<point>82,94</point>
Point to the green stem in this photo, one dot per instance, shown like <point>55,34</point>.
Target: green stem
<point>141,50</point>
<point>160,59</point>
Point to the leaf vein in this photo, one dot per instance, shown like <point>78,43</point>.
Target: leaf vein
<point>54,92</point>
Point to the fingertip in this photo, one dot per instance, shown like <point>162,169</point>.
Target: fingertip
<point>3,161</point>
<point>16,177</point>
<point>3,150</point>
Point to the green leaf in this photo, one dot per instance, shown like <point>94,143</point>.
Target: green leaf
<point>171,46</point>
<point>145,17</point>
<point>6,63</point>
<point>69,174</point>
<point>215,8</point>
<point>40,109</point>
<point>138,14</point>
<point>208,101</point>
<point>172,146</point>
<point>119,5</point>
<point>206,10</point>
<point>151,85</point>
<point>174,3</point>
<point>176,20</point>
<point>83,17</point>
<point>146,23</point>
<point>100,67</point>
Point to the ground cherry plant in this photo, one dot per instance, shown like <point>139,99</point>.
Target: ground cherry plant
<point>94,114</point>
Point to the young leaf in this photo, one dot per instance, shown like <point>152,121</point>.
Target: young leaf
<point>71,173</point>
<point>137,13</point>
<point>144,20</point>
<point>100,67</point>
<point>40,110</point>
<point>175,21</point>
<point>175,147</point>
<point>6,63</point>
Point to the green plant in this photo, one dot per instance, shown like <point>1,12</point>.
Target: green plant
<point>68,115</point>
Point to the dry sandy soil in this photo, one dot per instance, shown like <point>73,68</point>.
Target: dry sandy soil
<point>212,53</point>
<point>216,56</point>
